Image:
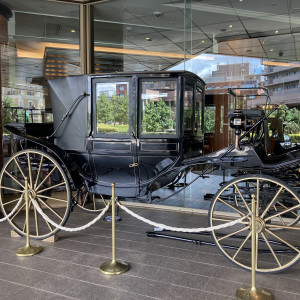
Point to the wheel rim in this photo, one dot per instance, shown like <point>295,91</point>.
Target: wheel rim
<point>48,185</point>
<point>277,209</point>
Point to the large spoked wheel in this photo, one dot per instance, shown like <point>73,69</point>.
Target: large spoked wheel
<point>277,213</point>
<point>48,185</point>
<point>90,202</point>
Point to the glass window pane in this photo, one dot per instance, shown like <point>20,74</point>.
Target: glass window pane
<point>188,115</point>
<point>158,107</point>
<point>112,107</point>
<point>199,110</point>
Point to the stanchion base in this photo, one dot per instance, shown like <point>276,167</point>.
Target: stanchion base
<point>28,250</point>
<point>248,294</point>
<point>114,267</point>
<point>109,218</point>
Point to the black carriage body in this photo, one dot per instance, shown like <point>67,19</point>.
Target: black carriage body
<point>141,158</point>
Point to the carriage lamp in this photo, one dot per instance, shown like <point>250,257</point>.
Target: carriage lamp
<point>238,123</point>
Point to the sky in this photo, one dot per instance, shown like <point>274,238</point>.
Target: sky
<point>204,64</point>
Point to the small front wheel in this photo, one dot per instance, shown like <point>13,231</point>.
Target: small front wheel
<point>90,202</point>
<point>48,185</point>
<point>277,213</point>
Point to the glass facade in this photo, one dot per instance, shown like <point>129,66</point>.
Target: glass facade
<point>233,45</point>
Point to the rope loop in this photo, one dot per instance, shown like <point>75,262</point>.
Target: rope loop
<point>178,229</point>
<point>46,218</point>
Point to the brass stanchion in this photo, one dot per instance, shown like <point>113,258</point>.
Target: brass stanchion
<point>114,267</point>
<point>28,250</point>
<point>253,293</point>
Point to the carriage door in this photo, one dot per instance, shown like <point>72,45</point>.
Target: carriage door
<point>114,146</point>
<point>158,144</point>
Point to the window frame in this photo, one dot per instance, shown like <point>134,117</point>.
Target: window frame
<point>140,90</point>
<point>116,79</point>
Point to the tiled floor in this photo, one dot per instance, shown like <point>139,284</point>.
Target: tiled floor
<point>159,268</point>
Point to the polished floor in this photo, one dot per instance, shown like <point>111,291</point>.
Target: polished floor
<point>159,268</point>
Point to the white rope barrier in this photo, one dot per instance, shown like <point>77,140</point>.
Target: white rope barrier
<point>67,228</point>
<point>13,211</point>
<point>162,226</point>
<point>178,229</point>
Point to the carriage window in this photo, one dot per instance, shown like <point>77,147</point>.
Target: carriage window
<point>199,110</point>
<point>112,107</point>
<point>188,114</point>
<point>158,107</point>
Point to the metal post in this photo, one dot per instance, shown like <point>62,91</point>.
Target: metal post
<point>114,267</point>
<point>253,293</point>
<point>28,250</point>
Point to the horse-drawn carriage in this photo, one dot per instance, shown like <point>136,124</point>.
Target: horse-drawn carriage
<point>144,131</point>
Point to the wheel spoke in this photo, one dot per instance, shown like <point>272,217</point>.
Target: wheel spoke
<point>49,225</point>
<point>50,208</point>
<point>271,249</point>
<point>48,175</point>
<point>271,202</point>
<point>85,199</point>
<point>29,171</point>
<point>17,211</point>
<point>280,218</point>
<point>24,226</point>
<point>257,198</point>
<point>12,201</point>
<point>19,167</point>
<point>232,207</point>
<point>283,241</point>
<point>282,227</point>
<point>281,213</point>
<point>242,245</point>
<point>226,220</point>
<point>287,208</point>
<point>10,189</point>
<point>16,180</point>
<point>39,172</point>
<point>243,199</point>
<point>52,198</point>
<point>233,233</point>
<point>51,187</point>
<point>36,222</point>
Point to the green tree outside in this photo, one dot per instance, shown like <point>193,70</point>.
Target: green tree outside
<point>290,118</point>
<point>103,109</point>
<point>7,114</point>
<point>209,121</point>
<point>157,117</point>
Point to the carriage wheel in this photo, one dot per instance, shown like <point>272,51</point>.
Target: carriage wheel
<point>91,202</point>
<point>277,209</point>
<point>48,184</point>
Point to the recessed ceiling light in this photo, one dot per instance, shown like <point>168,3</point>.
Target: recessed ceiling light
<point>202,41</point>
<point>73,30</point>
<point>276,31</point>
<point>148,39</point>
<point>271,50</point>
<point>230,26</point>
<point>241,0</point>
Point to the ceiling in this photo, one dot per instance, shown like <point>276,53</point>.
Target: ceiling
<point>151,35</point>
